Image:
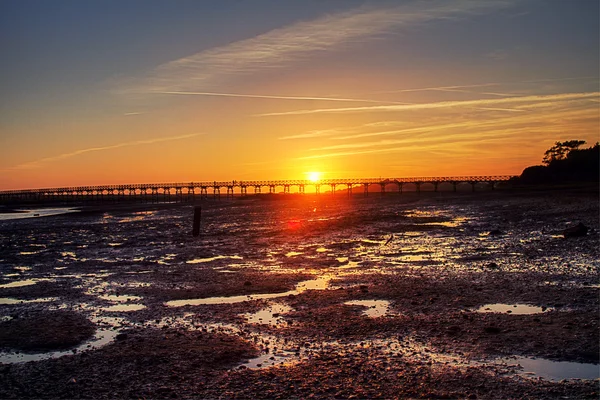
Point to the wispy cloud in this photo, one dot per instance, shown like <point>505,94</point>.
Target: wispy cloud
<point>447,144</point>
<point>488,84</point>
<point>471,91</point>
<point>311,134</point>
<point>550,99</point>
<point>282,46</point>
<point>264,96</point>
<point>551,112</point>
<point>498,55</point>
<point>40,162</point>
<point>458,136</point>
<point>341,130</point>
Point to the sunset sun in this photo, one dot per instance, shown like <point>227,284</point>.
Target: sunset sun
<point>314,176</point>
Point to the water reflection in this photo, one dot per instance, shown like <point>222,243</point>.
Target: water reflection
<point>103,336</point>
<point>124,308</point>
<point>35,213</point>
<point>209,259</point>
<point>554,370</point>
<point>8,300</point>
<point>320,283</point>
<point>26,282</point>
<point>516,309</point>
<point>270,315</point>
<point>375,308</point>
<point>120,298</point>
<point>335,254</point>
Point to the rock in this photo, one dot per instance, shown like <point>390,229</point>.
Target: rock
<point>496,232</point>
<point>492,265</point>
<point>453,330</point>
<point>163,390</point>
<point>576,231</point>
<point>492,329</point>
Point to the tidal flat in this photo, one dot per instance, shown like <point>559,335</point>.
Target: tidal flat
<point>438,295</point>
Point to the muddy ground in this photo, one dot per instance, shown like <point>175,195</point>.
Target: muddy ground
<point>436,259</point>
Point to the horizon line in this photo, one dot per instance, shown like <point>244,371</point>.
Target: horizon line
<point>274,182</point>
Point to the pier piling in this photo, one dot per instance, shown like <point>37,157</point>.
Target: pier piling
<point>197,218</point>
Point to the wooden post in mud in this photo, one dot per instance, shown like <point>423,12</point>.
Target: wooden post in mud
<point>197,217</point>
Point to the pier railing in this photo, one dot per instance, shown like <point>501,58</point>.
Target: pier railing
<point>183,191</point>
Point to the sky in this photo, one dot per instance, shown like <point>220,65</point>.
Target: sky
<point>146,91</point>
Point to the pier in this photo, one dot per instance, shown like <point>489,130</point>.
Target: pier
<point>189,191</point>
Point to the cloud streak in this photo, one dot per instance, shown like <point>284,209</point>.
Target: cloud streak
<point>264,96</point>
<point>447,136</point>
<point>550,99</point>
<point>489,84</point>
<point>38,163</point>
<point>301,40</point>
<point>447,144</point>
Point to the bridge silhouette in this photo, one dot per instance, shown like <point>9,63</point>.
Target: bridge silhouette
<point>187,191</point>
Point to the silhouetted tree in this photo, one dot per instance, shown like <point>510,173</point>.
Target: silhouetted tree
<point>561,150</point>
<point>565,162</point>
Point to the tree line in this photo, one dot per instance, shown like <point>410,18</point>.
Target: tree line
<point>565,162</point>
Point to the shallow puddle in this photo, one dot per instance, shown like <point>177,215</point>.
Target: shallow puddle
<point>267,360</point>
<point>270,315</point>
<point>555,370</point>
<point>447,224</point>
<point>8,300</point>
<point>516,309</point>
<point>35,213</point>
<point>320,283</point>
<point>124,308</point>
<point>209,259</point>
<point>227,300</point>
<point>102,337</point>
<point>120,298</point>
<point>26,282</point>
<point>375,308</point>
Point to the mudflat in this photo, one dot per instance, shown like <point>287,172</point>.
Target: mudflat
<point>434,295</point>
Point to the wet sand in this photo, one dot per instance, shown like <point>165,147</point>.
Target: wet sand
<point>383,297</point>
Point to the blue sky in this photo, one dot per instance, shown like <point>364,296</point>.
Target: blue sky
<point>84,82</point>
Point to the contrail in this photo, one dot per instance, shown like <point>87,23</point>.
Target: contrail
<point>445,104</point>
<point>264,96</point>
<point>457,87</point>
<point>35,164</point>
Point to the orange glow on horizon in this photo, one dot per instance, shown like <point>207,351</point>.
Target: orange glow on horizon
<point>314,176</point>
